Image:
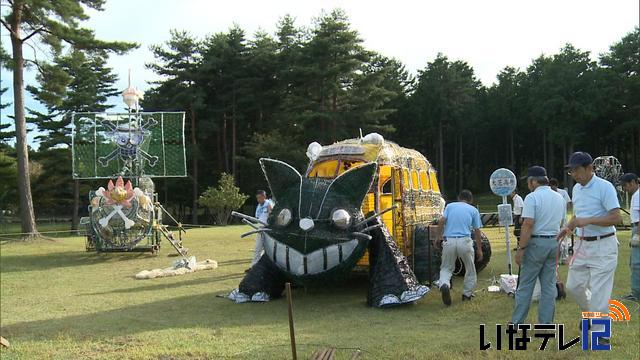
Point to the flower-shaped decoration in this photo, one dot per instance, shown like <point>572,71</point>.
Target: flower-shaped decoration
<point>121,193</point>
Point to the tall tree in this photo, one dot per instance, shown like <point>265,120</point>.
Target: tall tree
<point>178,62</point>
<point>445,98</point>
<point>621,78</point>
<point>78,81</point>
<point>52,24</point>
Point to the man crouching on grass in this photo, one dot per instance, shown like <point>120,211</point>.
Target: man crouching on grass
<point>458,220</point>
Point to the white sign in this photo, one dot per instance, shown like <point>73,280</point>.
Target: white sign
<point>505,216</point>
<point>503,182</point>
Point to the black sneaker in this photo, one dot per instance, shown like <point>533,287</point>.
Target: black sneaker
<point>446,295</point>
<point>467,298</point>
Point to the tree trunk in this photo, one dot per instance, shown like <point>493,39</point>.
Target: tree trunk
<point>570,182</point>
<point>565,158</point>
<point>441,156</point>
<point>219,152</point>
<point>76,204</point>
<point>512,156</point>
<point>194,191</point>
<point>552,160</point>
<point>456,184</point>
<point>165,189</point>
<point>27,215</point>
<point>460,164</point>
<point>225,154</point>
<point>233,137</point>
<point>544,148</point>
<point>334,111</point>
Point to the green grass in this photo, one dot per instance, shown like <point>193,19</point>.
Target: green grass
<point>59,302</point>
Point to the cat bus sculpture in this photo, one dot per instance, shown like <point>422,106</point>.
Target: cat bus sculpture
<point>362,202</point>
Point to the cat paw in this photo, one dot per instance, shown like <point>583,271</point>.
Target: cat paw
<point>407,296</point>
<point>240,297</point>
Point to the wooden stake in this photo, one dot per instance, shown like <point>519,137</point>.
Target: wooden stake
<point>292,333</point>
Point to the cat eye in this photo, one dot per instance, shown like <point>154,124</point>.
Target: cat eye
<point>341,218</point>
<point>284,217</point>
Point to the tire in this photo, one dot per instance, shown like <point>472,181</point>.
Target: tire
<point>480,265</point>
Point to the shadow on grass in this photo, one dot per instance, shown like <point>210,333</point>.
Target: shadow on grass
<point>49,261</point>
<point>165,286</point>
<point>195,311</point>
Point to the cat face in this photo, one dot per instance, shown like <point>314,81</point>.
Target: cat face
<point>314,227</point>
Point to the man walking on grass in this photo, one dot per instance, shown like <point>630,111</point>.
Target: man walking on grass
<point>263,209</point>
<point>596,212</point>
<point>454,235</point>
<point>543,214</point>
<point>630,184</point>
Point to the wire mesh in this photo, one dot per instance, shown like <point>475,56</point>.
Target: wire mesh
<point>107,145</point>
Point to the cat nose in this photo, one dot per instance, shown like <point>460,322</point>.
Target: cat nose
<point>306,224</point>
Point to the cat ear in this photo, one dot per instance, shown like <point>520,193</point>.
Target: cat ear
<point>281,177</point>
<point>352,185</point>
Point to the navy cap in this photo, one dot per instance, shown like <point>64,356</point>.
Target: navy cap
<point>628,177</point>
<point>535,171</point>
<point>579,158</point>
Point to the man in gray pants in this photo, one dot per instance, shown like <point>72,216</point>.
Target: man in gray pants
<point>455,227</point>
<point>543,214</point>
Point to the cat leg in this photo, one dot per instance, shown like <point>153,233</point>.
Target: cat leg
<point>391,280</point>
<point>263,282</point>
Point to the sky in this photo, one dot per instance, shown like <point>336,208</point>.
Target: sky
<point>489,34</point>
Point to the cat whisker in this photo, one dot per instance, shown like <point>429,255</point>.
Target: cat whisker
<point>361,235</point>
<point>363,222</point>
<point>251,224</point>
<point>249,218</point>
<point>255,232</point>
<point>371,228</point>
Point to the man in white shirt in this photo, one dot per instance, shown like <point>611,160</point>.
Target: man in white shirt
<point>565,195</point>
<point>518,205</point>
<point>263,210</point>
<point>596,212</point>
<point>630,184</point>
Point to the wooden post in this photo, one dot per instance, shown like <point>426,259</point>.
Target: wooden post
<point>292,333</point>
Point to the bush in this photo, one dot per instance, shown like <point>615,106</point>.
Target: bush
<point>223,199</point>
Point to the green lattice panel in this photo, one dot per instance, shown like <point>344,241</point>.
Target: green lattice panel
<point>96,135</point>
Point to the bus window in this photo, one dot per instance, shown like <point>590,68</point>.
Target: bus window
<point>415,180</point>
<point>434,181</point>
<point>325,169</point>
<point>424,181</point>
<point>405,179</point>
<point>386,187</point>
<point>348,164</point>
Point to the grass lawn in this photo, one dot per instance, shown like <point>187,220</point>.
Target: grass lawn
<point>59,302</point>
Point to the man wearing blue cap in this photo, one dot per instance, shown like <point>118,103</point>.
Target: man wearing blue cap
<point>543,214</point>
<point>630,184</point>
<point>596,212</point>
<point>454,228</point>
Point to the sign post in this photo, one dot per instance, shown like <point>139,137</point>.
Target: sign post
<point>502,183</point>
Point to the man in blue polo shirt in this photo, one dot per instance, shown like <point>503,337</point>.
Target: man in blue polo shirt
<point>631,184</point>
<point>456,224</point>
<point>596,212</point>
<point>543,213</point>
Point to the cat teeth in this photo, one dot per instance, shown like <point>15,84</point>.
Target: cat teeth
<point>316,262</point>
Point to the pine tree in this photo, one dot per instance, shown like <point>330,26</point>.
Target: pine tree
<point>53,24</point>
<point>75,82</point>
<point>178,62</point>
